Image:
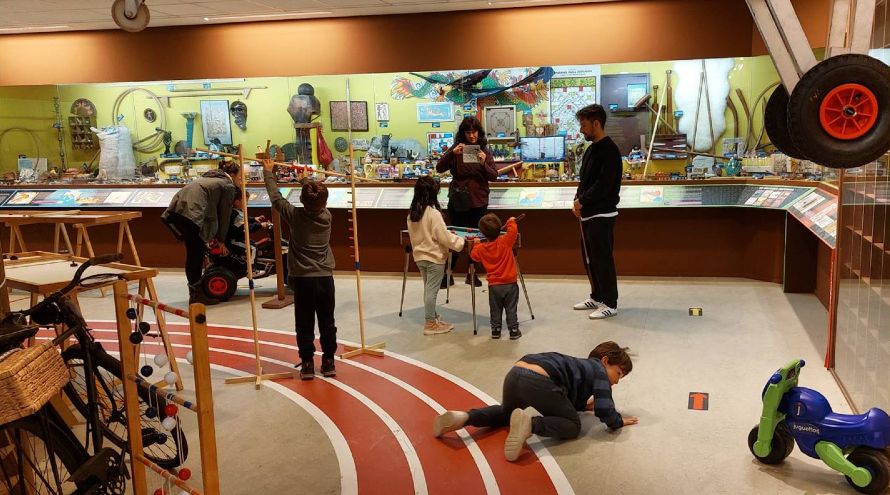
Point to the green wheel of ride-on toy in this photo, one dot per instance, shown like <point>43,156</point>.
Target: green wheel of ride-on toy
<point>781,447</point>
<point>875,461</point>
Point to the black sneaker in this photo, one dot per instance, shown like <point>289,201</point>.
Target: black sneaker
<point>307,370</point>
<point>495,333</point>
<point>445,284</point>
<point>327,367</point>
<point>515,333</point>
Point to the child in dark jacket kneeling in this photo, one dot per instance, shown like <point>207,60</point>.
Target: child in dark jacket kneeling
<point>543,394</point>
<point>496,256</point>
<point>310,264</point>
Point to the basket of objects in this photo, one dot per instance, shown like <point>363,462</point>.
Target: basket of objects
<point>29,378</point>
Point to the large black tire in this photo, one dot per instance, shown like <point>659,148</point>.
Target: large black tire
<point>806,126</point>
<point>782,445</point>
<point>876,463</point>
<point>169,454</point>
<point>219,283</point>
<point>56,455</point>
<point>776,122</point>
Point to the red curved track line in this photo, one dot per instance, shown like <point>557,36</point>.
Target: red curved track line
<point>446,462</point>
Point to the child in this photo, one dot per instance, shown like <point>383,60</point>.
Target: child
<point>496,256</point>
<point>311,270</point>
<point>235,235</point>
<point>543,394</point>
<point>430,242</point>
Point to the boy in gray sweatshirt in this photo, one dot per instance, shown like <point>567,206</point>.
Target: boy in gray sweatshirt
<point>310,264</point>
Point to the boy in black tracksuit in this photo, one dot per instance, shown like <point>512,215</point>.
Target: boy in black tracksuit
<point>543,394</point>
<point>310,264</point>
<point>596,206</point>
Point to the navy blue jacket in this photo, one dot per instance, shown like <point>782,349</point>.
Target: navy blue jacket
<point>581,378</point>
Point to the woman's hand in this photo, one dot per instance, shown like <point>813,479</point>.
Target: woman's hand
<point>458,149</point>
<point>481,156</point>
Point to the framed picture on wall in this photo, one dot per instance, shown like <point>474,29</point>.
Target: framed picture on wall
<point>440,111</point>
<point>500,121</point>
<point>215,121</point>
<point>340,120</point>
<point>439,142</point>
<point>382,111</point>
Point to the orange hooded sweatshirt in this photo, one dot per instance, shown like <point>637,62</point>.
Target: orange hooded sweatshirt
<point>497,256</point>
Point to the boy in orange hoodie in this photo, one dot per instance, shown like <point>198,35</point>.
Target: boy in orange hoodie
<point>496,256</point>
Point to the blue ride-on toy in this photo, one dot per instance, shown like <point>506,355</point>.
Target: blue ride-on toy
<point>852,444</point>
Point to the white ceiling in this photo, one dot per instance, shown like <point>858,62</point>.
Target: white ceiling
<point>29,16</point>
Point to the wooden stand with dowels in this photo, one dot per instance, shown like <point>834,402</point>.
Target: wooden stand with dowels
<point>202,406</point>
<point>257,378</point>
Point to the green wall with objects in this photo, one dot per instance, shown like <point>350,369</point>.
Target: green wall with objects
<point>31,108</point>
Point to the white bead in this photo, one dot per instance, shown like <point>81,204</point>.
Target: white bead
<point>190,357</point>
<point>170,378</point>
<point>169,423</point>
<point>183,492</point>
<point>161,360</point>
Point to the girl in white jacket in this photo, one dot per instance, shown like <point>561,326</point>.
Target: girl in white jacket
<point>431,243</point>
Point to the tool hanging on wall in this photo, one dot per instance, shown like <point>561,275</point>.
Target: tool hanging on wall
<point>747,111</point>
<point>735,116</point>
<point>199,93</point>
<point>60,133</point>
<point>151,142</point>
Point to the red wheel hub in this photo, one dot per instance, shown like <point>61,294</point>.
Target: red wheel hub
<point>848,111</point>
<point>217,286</point>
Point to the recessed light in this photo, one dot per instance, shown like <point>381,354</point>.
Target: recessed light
<point>33,28</point>
<point>277,15</point>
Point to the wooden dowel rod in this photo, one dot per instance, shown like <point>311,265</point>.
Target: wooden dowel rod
<point>167,395</point>
<point>158,305</point>
<point>167,475</point>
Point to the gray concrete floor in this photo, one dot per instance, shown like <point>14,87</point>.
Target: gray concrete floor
<point>748,329</point>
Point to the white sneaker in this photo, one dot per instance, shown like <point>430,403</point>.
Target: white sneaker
<point>587,304</point>
<point>449,421</point>
<point>520,431</point>
<point>603,312</point>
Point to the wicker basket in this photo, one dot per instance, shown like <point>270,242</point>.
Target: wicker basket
<point>28,379</point>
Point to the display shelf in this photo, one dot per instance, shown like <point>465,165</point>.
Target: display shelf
<point>82,137</point>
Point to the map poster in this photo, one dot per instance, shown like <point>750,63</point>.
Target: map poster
<point>567,96</point>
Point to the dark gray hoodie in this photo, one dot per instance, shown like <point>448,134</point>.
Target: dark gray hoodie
<point>206,202</point>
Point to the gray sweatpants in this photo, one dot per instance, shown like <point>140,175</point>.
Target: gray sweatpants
<point>431,274</point>
<point>503,298</point>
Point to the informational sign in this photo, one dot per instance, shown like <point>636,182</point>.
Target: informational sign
<point>817,211</point>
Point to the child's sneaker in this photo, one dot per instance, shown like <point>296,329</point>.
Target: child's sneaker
<point>520,431</point>
<point>327,367</point>
<point>495,333</point>
<point>449,421</point>
<point>307,370</point>
<point>436,326</point>
<point>515,333</point>
<point>603,312</point>
<point>587,304</point>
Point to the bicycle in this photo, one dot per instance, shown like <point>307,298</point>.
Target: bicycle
<point>57,461</point>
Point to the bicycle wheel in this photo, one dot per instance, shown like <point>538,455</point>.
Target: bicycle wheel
<point>45,453</point>
<point>166,449</point>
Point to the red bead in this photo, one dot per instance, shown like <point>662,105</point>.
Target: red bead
<point>171,410</point>
<point>160,491</point>
<point>184,474</point>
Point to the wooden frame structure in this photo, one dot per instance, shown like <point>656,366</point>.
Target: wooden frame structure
<point>203,405</point>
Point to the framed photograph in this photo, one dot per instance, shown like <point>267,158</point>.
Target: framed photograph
<point>440,111</point>
<point>382,111</point>
<point>215,121</point>
<point>439,142</point>
<point>500,121</point>
<point>339,119</point>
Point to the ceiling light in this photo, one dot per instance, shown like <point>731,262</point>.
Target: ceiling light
<point>278,15</point>
<point>33,28</point>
